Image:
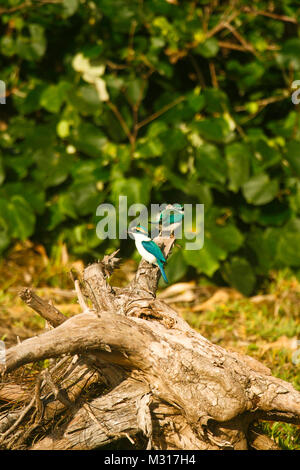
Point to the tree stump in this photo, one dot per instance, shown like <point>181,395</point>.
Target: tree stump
<point>130,366</point>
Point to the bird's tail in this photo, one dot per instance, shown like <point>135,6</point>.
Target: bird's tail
<point>161,267</point>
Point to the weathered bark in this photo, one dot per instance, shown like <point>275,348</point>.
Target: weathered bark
<point>45,309</point>
<point>155,375</point>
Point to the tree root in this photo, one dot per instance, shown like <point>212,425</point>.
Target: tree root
<point>130,366</point>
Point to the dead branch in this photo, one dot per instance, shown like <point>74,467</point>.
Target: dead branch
<point>43,308</point>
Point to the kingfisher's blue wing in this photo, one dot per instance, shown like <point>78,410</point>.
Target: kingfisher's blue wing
<point>172,218</point>
<point>154,249</point>
<point>167,217</point>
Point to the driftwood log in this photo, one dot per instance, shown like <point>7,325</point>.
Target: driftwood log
<point>130,367</point>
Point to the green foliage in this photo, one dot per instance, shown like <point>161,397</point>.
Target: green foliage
<point>160,102</point>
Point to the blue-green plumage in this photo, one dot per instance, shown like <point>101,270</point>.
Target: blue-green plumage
<point>171,217</point>
<point>154,249</point>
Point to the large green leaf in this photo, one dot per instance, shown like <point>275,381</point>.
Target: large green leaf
<point>70,6</point>
<point>238,160</point>
<point>208,48</point>
<point>84,197</point>
<point>200,191</point>
<point>33,46</point>
<point>89,139</point>
<point>56,171</point>
<point>227,237</point>
<point>152,147</point>
<point>137,190</point>
<point>207,259</point>
<point>264,244</point>
<point>19,164</point>
<point>176,267</point>
<point>216,100</point>
<point>30,191</point>
<point>22,218</point>
<point>84,99</point>
<point>135,90</point>
<point>54,95</point>
<point>196,101</point>
<point>214,129</point>
<point>210,163</point>
<point>289,55</point>
<point>239,273</point>
<point>288,249</point>
<point>260,189</point>
<point>266,155</point>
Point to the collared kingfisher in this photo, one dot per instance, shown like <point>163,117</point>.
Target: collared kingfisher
<point>170,218</point>
<point>148,249</point>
